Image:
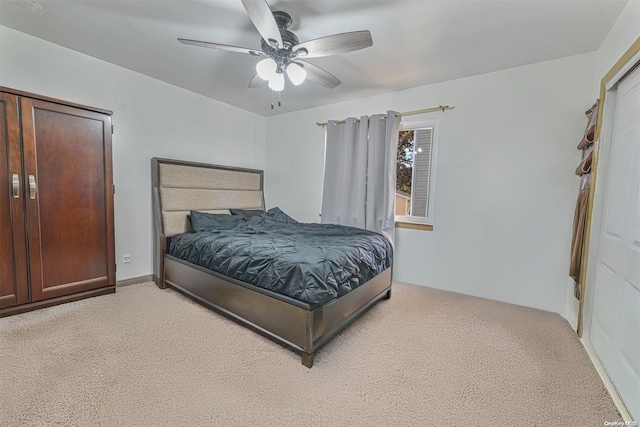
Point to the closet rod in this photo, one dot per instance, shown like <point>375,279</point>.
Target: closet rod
<point>407,113</point>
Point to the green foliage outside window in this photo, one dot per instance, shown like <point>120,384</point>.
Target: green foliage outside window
<point>404,169</point>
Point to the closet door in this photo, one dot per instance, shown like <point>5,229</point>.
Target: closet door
<point>13,253</point>
<point>69,198</point>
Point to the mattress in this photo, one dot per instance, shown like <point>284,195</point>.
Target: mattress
<point>314,263</point>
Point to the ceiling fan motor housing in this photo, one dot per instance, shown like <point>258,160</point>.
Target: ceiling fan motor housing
<point>283,19</point>
<point>289,40</point>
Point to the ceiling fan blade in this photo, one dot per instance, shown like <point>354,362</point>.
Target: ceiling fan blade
<point>320,76</point>
<point>263,19</point>
<point>256,82</point>
<point>335,44</point>
<point>222,47</point>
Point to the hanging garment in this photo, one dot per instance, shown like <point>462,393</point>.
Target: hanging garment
<point>580,216</point>
<point>579,223</point>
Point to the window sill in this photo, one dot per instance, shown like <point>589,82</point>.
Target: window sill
<point>414,226</point>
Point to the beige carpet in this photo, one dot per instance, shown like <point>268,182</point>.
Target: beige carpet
<point>150,357</point>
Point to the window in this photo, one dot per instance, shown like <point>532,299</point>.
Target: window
<point>415,172</point>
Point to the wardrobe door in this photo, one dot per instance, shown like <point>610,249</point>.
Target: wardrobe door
<point>69,198</point>
<point>13,253</point>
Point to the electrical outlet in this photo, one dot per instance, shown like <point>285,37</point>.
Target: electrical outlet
<point>126,259</point>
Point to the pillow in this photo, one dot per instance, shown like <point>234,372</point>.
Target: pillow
<point>202,221</point>
<point>216,211</point>
<point>278,215</point>
<point>247,213</point>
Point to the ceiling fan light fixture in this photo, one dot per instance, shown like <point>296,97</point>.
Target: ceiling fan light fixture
<point>266,69</point>
<point>296,73</point>
<point>281,50</point>
<point>276,82</point>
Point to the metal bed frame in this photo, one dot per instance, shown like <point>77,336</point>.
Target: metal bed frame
<point>295,324</point>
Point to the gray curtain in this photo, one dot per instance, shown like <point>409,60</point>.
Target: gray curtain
<point>360,173</point>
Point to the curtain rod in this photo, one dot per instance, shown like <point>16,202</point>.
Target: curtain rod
<point>406,113</point>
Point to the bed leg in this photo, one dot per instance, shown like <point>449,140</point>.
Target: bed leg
<point>159,282</point>
<point>388,295</point>
<point>307,360</point>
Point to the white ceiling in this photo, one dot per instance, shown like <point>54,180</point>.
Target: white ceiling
<point>415,42</point>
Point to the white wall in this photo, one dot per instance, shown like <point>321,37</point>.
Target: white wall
<point>151,118</point>
<point>505,191</point>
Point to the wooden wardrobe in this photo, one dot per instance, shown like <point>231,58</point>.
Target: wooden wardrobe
<point>56,203</point>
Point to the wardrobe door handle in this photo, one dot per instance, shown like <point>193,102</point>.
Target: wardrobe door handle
<point>15,179</point>
<point>32,186</point>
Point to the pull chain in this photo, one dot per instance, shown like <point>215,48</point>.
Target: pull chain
<point>273,101</point>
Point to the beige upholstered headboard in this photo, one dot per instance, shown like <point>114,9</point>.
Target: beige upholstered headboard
<point>181,186</point>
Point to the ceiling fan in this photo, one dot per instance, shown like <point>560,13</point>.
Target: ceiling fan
<point>283,52</point>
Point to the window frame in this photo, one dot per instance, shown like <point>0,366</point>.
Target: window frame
<point>406,220</point>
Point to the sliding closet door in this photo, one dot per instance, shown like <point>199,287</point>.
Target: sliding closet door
<point>69,198</point>
<point>13,259</point>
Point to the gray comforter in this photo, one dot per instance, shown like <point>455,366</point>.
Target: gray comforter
<point>309,262</point>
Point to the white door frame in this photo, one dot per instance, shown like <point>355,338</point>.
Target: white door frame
<point>624,65</point>
<point>604,132</point>
<point>597,208</point>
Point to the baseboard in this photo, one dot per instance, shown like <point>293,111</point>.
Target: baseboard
<point>135,280</point>
<point>626,416</point>
<point>18,309</point>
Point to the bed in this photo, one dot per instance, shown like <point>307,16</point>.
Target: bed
<point>180,187</point>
